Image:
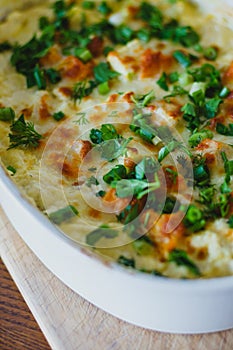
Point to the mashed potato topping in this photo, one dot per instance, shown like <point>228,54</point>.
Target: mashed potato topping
<point>116,121</point>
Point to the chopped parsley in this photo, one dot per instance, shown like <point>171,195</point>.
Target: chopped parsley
<point>115,174</point>
<point>103,73</point>
<point>226,130</point>
<point>114,148</point>
<point>106,132</point>
<point>58,116</point>
<point>162,82</point>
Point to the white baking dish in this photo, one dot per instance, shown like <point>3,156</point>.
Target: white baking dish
<point>168,305</point>
<point>178,306</point>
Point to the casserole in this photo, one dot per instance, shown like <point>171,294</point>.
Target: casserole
<point>179,292</point>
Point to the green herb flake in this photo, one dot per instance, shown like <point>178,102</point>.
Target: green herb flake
<point>210,53</point>
<point>92,181</point>
<point>23,134</point>
<point>148,165</point>
<point>12,170</point>
<point>226,130</point>
<point>115,174</point>
<point>58,116</point>
<point>194,219</point>
<point>63,214</point>
<point>104,88</point>
<point>83,53</point>
<point>143,246</point>
<point>104,8</point>
<point>162,82</point>
<point>230,221</point>
<point>180,257</point>
<point>143,100</point>
<point>104,231</point>
<point>103,73</point>
<point>122,260</point>
<point>106,132</point>
<point>198,137</point>
<point>83,89</point>
<point>101,193</point>
<point>212,106</point>
<point>182,58</point>
<point>7,114</point>
<point>114,148</point>
<point>88,5</point>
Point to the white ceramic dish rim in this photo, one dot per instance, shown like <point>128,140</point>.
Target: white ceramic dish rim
<point>164,301</point>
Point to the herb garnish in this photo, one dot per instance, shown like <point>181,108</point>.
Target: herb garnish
<point>104,231</point>
<point>180,257</point>
<point>126,261</point>
<point>63,214</point>
<point>106,132</point>
<point>23,134</point>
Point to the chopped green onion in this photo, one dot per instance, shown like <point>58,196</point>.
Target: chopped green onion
<point>7,114</point>
<point>115,174</point>
<point>197,137</point>
<point>104,88</point>
<point>201,174</point>
<point>193,214</point>
<point>210,53</point>
<point>182,58</point>
<point>39,76</point>
<point>11,169</point>
<point>83,53</point>
<point>224,92</point>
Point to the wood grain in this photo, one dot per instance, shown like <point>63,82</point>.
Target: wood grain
<point>18,328</point>
<point>71,323</point>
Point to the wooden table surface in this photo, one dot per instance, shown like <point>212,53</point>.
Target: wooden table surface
<point>18,328</point>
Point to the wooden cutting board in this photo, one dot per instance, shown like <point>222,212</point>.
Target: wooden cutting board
<point>69,322</point>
